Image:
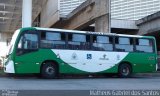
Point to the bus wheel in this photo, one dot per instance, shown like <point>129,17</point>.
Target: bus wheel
<point>124,70</point>
<point>49,71</point>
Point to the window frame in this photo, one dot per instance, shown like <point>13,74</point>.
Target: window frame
<point>110,36</point>
<point>130,38</point>
<point>45,31</point>
<point>23,51</point>
<point>71,33</point>
<point>153,45</point>
<point>90,41</point>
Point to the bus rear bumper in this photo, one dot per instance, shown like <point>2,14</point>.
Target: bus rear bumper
<point>9,67</point>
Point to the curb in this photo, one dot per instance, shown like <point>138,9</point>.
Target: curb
<point>156,74</point>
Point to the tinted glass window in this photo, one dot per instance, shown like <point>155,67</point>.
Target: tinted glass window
<point>124,44</point>
<point>124,41</point>
<point>78,42</point>
<point>102,39</point>
<point>53,36</point>
<point>20,44</point>
<point>79,38</point>
<point>144,45</point>
<point>53,40</point>
<point>102,43</point>
<point>144,42</point>
<point>30,41</point>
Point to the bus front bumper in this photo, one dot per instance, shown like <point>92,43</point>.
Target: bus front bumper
<point>9,67</point>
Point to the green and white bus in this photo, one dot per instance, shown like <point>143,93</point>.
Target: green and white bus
<point>51,52</point>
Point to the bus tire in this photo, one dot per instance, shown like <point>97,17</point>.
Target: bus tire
<point>49,71</point>
<point>124,70</point>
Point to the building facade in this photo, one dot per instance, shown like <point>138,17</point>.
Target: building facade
<point>67,6</point>
<point>120,9</point>
<point>133,9</point>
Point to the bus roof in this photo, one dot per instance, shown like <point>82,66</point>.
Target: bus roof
<point>89,32</point>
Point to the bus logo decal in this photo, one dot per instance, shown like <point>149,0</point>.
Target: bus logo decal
<point>89,56</point>
<point>74,56</point>
<point>118,57</point>
<point>104,57</point>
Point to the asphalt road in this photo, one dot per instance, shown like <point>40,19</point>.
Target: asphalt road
<point>33,83</point>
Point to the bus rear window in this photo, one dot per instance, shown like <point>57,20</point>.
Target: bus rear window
<point>144,45</point>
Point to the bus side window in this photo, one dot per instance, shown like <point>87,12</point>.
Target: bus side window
<point>27,43</point>
<point>144,45</point>
<point>30,41</point>
<point>53,40</point>
<point>58,41</point>
<point>102,43</point>
<point>77,41</point>
<point>20,44</point>
<point>124,44</point>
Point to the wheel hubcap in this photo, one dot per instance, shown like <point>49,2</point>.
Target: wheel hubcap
<point>50,70</point>
<point>125,71</point>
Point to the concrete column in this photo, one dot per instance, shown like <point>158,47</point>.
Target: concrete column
<point>27,13</point>
<point>102,24</point>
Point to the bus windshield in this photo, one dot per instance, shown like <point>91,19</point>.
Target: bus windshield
<point>13,40</point>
